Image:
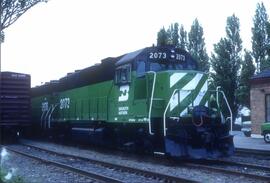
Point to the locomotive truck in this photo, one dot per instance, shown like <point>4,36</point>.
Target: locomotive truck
<point>154,99</point>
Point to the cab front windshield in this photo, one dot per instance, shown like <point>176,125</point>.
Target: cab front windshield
<point>155,66</point>
<point>143,67</point>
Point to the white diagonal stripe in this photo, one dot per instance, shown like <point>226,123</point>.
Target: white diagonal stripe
<point>199,98</point>
<point>205,87</point>
<point>184,112</point>
<point>184,94</point>
<point>174,100</point>
<point>201,94</point>
<point>175,78</point>
<point>193,83</point>
<point>186,90</point>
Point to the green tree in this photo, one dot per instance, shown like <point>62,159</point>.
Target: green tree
<point>170,33</point>
<point>196,46</point>
<point>169,37</point>
<point>11,10</point>
<point>222,71</point>
<point>226,62</point>
<point>175,35</point>
<point>267,65</point>
<point>259,37</point>
<point>182,38</point>
<point>233,36</point>
<point>247,71</point>
<point>162,37</point>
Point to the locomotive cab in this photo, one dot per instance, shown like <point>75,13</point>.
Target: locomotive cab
<point>123,74</point>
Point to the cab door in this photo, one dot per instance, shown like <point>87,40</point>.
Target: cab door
<point>121,104</point>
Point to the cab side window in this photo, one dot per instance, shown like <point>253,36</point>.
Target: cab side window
<point>140,68</point>
<point>123,74</point>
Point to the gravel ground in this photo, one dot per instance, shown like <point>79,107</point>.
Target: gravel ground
<point>35,172</point>
<point>244,170</point>
<point>83,165</point>
<point>257,160</point>
<point>199,175</point>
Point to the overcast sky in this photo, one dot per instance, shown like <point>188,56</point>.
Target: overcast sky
<point>61,36</point>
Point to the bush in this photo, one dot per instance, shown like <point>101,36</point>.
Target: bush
<point>14,179</point>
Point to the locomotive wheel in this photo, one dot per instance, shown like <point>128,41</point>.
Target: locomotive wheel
<point>267,137</point>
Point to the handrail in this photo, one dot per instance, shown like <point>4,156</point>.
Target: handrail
<point>228,108</point>
<point>41,118</point>
<point>217,90</point>
<point>225,98</point>
<point>48,111</point>
<point>217,96</point>
<point>49,118</point>
<point>164,114</point>
<point>151,102</point>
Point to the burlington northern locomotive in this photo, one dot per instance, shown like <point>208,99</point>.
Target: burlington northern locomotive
<point>154,99</point>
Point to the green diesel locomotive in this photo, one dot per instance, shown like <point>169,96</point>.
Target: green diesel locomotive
<point>153,100</point>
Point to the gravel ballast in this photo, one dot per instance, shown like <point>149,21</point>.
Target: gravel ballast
<point>35,172</point>
<point>199,175</point>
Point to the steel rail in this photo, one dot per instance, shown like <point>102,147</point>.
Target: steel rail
<point>168,178</point>
<point>123,168</point>
<point>227,171</point>
<point>241,164</point>
<point>252,152</point>
<point>88,174</point>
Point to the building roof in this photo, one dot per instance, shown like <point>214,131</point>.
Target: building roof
<point>261,78</point>
<point>263,74</point>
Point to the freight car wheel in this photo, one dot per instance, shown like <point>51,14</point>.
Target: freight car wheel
<point>267,137</point>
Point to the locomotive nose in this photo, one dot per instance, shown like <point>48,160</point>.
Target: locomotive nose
<point>187,90</point>
<point>198,131</point>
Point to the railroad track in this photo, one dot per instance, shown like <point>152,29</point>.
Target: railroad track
<point>91,175</point>
<point>250,171</point>
<point>243,151</point>
<point>253,171</point>
<point>247,170</point>
<point>115,167</point>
